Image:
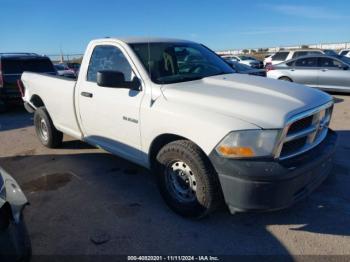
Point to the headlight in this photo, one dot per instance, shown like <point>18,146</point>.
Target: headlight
<point>248,143</point>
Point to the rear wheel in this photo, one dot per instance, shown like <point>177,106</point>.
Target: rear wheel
<point>284,78</point>
<point>48,135</point>
<point>187,180</point>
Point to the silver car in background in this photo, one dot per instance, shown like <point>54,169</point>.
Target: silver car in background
<point>245,60</point>
<point>320,71</point>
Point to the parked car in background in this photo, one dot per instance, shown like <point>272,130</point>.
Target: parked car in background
<point>285,55</point>
<point>244,69</point>
<point>345,52</point>
<point>246,60</point>
<point>74,66</point>
<point>14,239</point>
<point>325,72</point>
<point>64,70</point>
<point>330,52</point>
<point>12,65</point>
<point>268,55</point>
<point>208,134</point>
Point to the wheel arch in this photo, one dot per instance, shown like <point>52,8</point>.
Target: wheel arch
<point>36,101</point>
<point>284,76</point>
<point>160,141</point>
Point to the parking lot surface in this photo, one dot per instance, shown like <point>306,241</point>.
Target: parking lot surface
<point>86,201</point>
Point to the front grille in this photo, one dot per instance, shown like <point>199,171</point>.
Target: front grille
<point>293,146</point>
<point>305,131</point>
<point>300,124</point>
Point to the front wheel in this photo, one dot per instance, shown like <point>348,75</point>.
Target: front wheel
<point>47,133</point>
<point>187,180</point>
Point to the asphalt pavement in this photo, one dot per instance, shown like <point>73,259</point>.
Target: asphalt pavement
<point>86,201</point>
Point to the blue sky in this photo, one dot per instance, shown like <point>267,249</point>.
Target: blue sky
<point>45,26</point>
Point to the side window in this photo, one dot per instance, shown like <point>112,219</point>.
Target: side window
<point>299,53</point>
<point>107,57</point>
<point>290,63</point>
<point>328,62</point>
<point>307,62</point>
<point>280,56</point>
<point>314,52</point>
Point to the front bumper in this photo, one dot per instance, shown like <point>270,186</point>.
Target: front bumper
<point>265,184</point>
<point>11,193</point>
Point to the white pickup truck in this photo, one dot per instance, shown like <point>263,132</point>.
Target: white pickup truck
<point>208,134</point>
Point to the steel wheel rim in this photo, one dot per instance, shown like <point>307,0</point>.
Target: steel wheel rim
<point>181,181</point>
<point>43,130</point>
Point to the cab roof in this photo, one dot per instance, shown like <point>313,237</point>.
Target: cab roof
<point>139,40</point>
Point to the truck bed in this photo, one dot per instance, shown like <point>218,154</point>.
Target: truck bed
<point>59,96</point>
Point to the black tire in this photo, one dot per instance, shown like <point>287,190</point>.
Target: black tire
<point>285,78</point>
<point>24,241</point>
<point>207,195</point>
<point>15,242</point>
<point>47,133</point>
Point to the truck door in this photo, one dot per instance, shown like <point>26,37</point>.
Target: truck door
<point>110,116</point>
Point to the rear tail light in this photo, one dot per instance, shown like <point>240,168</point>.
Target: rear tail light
<point>269,67</point>
<point>20,87</point>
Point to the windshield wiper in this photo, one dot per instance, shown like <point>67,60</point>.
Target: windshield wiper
<point>191,78</point>
<point>181,79</point>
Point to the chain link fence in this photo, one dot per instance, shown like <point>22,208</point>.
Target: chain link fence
<point>266,50</point>
<point>65,58</point>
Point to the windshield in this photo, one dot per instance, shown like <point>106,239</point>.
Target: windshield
<point>345,59</point>
<point>60,67</point>
<point>179,62</point>
<point>73,65</point>
<point>330,52</point>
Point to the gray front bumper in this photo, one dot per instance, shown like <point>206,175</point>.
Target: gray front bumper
<point>261,185</point>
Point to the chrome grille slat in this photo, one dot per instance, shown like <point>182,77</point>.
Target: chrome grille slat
<point>301,134</point>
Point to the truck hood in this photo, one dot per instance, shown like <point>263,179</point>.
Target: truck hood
<point>264,102</point>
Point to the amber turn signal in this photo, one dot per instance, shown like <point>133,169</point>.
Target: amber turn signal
<point>236,151</point>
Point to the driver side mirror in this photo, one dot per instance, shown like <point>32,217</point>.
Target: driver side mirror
<point>116,79</point>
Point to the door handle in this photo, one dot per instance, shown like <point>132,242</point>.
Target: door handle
<point>324,70</point>
<point>86,94</point>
